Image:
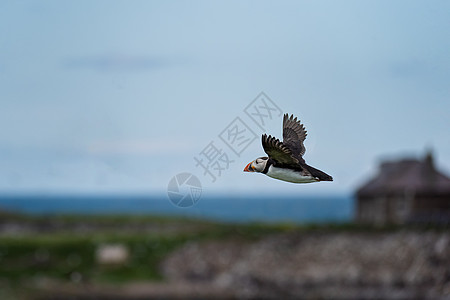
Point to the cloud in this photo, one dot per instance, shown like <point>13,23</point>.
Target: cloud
<point>121,63</point>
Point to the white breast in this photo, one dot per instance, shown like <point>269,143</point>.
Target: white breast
<point>289,175</point>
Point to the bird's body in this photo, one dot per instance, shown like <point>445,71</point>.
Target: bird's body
<point>289,175</point>
<point>285,161</point>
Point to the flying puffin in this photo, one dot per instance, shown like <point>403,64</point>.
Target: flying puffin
<point>285,161</point>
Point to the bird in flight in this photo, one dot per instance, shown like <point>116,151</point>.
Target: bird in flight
<point>285,161</point>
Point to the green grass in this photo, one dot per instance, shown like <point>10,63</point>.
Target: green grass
<point>64,254</point>
<point>60,255</point>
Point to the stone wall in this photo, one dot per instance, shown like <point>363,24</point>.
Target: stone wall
<point>399,265</point>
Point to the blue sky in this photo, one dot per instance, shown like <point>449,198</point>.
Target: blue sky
<point>119,96</point>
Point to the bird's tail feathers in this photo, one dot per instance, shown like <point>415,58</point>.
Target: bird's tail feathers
<point>322,176</point>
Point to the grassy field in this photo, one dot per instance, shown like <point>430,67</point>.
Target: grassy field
<point>62,252</point>
<point>64,248</point>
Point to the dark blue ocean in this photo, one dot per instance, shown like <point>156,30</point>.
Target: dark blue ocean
<point>305,209</point>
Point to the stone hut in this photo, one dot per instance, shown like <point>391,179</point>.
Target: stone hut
<point>405,191</point>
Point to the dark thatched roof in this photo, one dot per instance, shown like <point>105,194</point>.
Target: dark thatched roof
<point>407,176</point>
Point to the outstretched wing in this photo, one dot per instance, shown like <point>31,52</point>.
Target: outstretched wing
<point>277,151</point>
<point>294,134</point>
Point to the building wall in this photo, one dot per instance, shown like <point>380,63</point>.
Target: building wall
<point>371,210</point>
<point>401,209</point>
<point>384,210</point>
<point>431,209</point>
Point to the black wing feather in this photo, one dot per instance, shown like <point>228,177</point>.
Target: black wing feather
<point>294,134</point>
<point>278,151</point>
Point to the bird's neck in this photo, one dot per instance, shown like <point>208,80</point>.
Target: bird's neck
<point>266,168</point>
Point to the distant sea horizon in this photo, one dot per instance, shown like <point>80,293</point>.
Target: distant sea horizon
<point>268,208</point>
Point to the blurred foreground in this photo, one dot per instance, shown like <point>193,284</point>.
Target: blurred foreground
<point>89,257</point>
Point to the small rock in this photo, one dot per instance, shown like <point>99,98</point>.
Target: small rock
<point>112,254</point>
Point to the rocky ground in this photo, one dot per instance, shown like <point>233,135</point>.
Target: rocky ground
<point>200,260</point>
<point>398,265</point>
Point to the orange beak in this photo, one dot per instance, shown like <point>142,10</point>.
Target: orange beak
<point>248,168</point>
